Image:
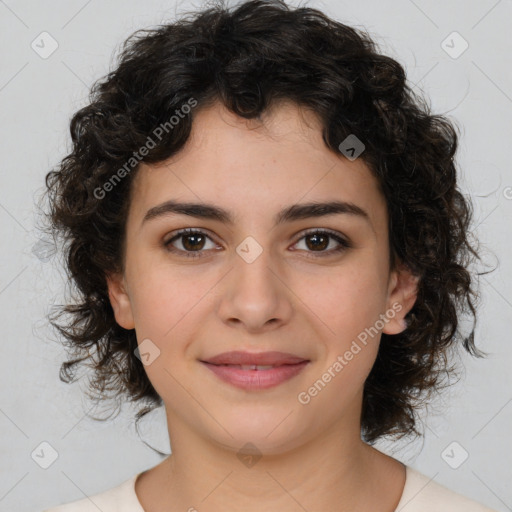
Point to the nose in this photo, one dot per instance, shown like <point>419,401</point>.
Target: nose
<point>255,296</point>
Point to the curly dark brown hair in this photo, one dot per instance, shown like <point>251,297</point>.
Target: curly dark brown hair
<point>250,57</point>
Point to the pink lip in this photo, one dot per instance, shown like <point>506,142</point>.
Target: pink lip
<point>256,379</point>
<point>261,358</point>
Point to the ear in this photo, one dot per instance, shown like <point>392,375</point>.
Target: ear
<point>120,301</point>
<point>402,294</point>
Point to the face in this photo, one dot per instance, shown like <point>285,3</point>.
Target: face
<point>254,284</point>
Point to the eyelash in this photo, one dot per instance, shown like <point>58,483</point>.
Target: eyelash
<point>344,244</point>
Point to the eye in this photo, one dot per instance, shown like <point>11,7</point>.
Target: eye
<point>319,239</point>
<point>193,242</point>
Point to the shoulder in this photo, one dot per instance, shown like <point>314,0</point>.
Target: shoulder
<point>121,498</point>
<point>424,494</point>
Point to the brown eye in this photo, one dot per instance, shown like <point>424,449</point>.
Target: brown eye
<point>319,240</point>
<point>192,243</point>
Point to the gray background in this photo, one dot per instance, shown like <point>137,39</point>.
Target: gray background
<point>38,96</point>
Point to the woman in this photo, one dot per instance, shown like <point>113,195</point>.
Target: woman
<point>264,223</point>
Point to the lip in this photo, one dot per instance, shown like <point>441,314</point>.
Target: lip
<point>226,366</point>
<point>253,380</point>
<point>258,358</point>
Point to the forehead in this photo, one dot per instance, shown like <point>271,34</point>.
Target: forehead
<point>254,168</point>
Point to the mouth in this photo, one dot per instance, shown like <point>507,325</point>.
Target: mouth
<point>249,366</point>
<point>255,371</point>
<point>258,359</point>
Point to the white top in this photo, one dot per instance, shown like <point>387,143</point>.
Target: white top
<point>420,494</point>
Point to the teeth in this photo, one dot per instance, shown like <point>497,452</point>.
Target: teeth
<point>254,367</point>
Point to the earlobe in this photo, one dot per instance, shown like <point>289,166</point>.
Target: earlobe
<point>404,291</point>
<point>120,301</point>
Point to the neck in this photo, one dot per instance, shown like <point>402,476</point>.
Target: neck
<point>331,472</point>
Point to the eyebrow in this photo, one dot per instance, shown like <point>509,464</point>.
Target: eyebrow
<point>288,214</point>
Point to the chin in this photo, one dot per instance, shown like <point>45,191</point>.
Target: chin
<point>268,433</point>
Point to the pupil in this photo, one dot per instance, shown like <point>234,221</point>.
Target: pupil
<point>318,237</point>
<point>193,245</point>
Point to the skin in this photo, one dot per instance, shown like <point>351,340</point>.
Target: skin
<point>287,300</point>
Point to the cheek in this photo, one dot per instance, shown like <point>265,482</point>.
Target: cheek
<point>347,301</point>
<point>168,310</point>
<point>349,308</point>
<point>162,296</point>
